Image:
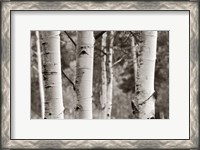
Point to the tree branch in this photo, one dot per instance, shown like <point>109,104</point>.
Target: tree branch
<point>127,38</point>
<point>101,51</point>
<point>34,52</point>
<point>98,35</point>
<point>35,68</point>
<point>136,38</point>
<point>70,38</point>
<point>69,80</point>
<point>118,61</point>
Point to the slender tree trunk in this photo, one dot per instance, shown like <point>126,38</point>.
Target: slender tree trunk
<point>145,75</point>
<point>103,96</point>
<point>84,74</point>
<point>52,75</point>
<point>41,85</point>
<point>110,39</point>
<point>135,68</point>
<point>134,52</point>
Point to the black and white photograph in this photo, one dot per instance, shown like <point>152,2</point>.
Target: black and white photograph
<point>99,74</point>
<point>107,74</point>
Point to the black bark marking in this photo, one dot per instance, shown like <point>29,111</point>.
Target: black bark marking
<point>155,95</point>
<point>74,88</point>
<point>48,86</point>
<point>138,92</point>
<point>45,45</point>
<point>49,73</point>
<point>50,114</point>
<point>102,108</point>
<point>46,53</point>
<point>134,108</point>
<point>45,118</point>
<point>151,118</point>
<point>45,78</point>
<point>83,53</point>
<point>78,107</point>
<point>84,50</point>
<point>108,115</point>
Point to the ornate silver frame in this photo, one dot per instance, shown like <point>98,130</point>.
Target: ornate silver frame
<point>7,6</point>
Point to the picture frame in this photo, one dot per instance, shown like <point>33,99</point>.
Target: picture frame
<point>7,7</point>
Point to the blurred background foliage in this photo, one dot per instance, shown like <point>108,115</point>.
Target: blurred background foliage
<point>123,81</point>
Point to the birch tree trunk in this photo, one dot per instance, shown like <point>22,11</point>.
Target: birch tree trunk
<point>41,85</point>
<point>103,96</point>
<point>145,75</point>
<point>134,102</point>
<point>52,75</point>
<point>110,39</point>
<point>134,52</point>
<point>84,74</point>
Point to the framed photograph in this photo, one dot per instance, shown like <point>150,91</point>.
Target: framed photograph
<point>109,74</point>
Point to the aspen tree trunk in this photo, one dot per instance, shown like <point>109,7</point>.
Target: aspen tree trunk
<point>52,75</point>
<point>145,75</point>
<point>84,74</point>
<point>134,52</point>
<point>41,85</point>
<point>103,96</point>
<point>135,68</point>
<point>110,39</point>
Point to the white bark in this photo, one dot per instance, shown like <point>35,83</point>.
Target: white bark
<point>52,75</point>
<point>103,96</point>
<point>41,85</point>
<point>110,39</point>
<point>84,74</point>
<point>134,52</point>
<point>145,75</point>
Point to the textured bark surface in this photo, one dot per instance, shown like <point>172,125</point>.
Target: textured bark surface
<point>110,39</point>
<point>134,52</point>
<point>52,75</point>
<point>134,102</point>
<point>84,74</point>
<point>145,75</point>
<point>103,96</point>
<point>41,85</point>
